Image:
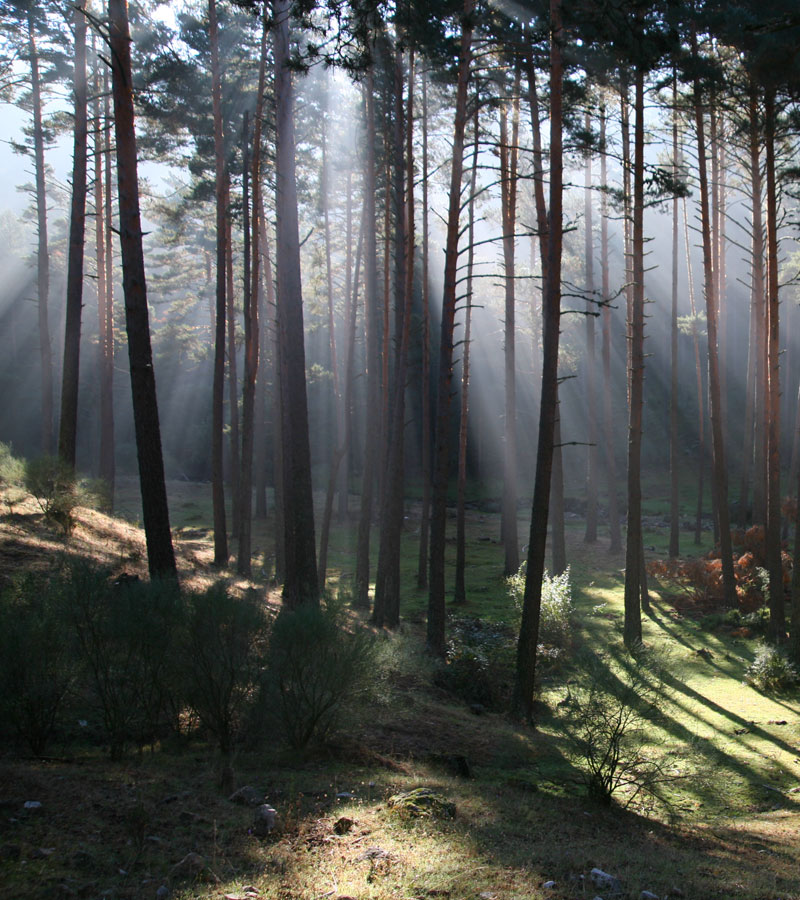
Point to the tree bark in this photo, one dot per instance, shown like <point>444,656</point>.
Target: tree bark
<point>522,700</point>
<point>674,511</point>
<point>217,423</point>
<point>252,282</point>
<point>777,617</point>
<point>460,590</point>
<point>615,539</point>
<point>441,467</point>
<point>42,251</point>
<point>300,584</point>
<point>107,453</point>
<point>68,424</point>
<point>590,534</point>
<point>720,480</point>
<point>155,511</point>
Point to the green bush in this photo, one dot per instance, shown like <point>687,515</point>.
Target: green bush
<point>555,625</point>
<point>771,672</point>
<point>37,664</point>
<point>479,662</point>
<point>127,639</point>
<point>52,482</point>
<point>12,470</point>
<point>221,657</point>
<point>315,667</point>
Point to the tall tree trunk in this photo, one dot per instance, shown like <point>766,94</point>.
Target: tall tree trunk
<point>42,251</point>
<point>615,539</point>
<point>233,368</point>
<point>701,453</point>
<point>674,511</point>
<point>777,617</point>
<point>387,581</point>
<point>107,460</point>
<point>441,466</point>
<point>217,421</point>
<point>720,479</point>
<point>522,700</point>
<point>372,447</point>
<point>508,183</point>
<point>68,424</point>
<point>590,534</point>
<point>558,548</point>
<point>99,233</point>
<point>760,303</point>
<point>300,585</point>
<point>632,629</point>
<point>252,282</point>
<point>155,512</point>
<point>425,386</point>
<point>460,590</point>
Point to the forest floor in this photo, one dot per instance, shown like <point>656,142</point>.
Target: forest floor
<point>729,826</point>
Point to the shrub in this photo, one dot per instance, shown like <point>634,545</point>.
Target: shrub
<point>52,482</point>
<point>126,635</point>
<point>12,470</point>
<point>771,672</point>
<point>479,662</point>
<point>37,665</point>
<point>221,658</point>
<point>605,719</point>
<point>555,626</point>
<point>315,667</point>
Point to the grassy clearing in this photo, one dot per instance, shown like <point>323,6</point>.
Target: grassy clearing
<point>120,829</point>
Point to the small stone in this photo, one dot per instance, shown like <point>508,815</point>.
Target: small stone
<point>265,820</point>
<point>605,882</point>
<point>32,804</point>
<point>162,892</point>
<point>42,852</point>
<point>549,885</point>
<point>372,853</point>
<point>343,825</point>
<point>487,895</point>
<point>345,795</point>
<point>247,796</point>
<point>648,895</point>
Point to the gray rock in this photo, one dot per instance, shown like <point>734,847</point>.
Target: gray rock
<point>162,892</point>
<point>372,853</point>
<point>265,820</point>
<point>247,796</point>
<point>32,804</point>
<point>606,883</point>
<point>345,795</point>
<point>549,885</point>
<point>648,895</point>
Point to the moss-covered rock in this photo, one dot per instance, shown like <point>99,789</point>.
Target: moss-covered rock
<point>422,802</point>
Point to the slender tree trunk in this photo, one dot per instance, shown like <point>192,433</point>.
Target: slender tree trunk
<point>718,448</point>
<point>42,252</point>
<point>615,539</point>
<point>777,617</point>
<point>674,511</point>
<point>252,282</point>
<point>217,423</point>
<point>68,424</point>
<point>233,368</point>
<point>424,527</point>
<point>632,630</point>
<point>460,590</point>
<point>99,236</point>
<point>760,311</point>
<point>701,454</point>
<point>300,585</point>
<point>372,447</point>
<point>558,549</point>
<point>107,460</point>
<point>522,701</point>
<point>441,468</point>
<point>387,582</point>
<point>155,512</point>
<point>590,534</point>
<point>508,179</point>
